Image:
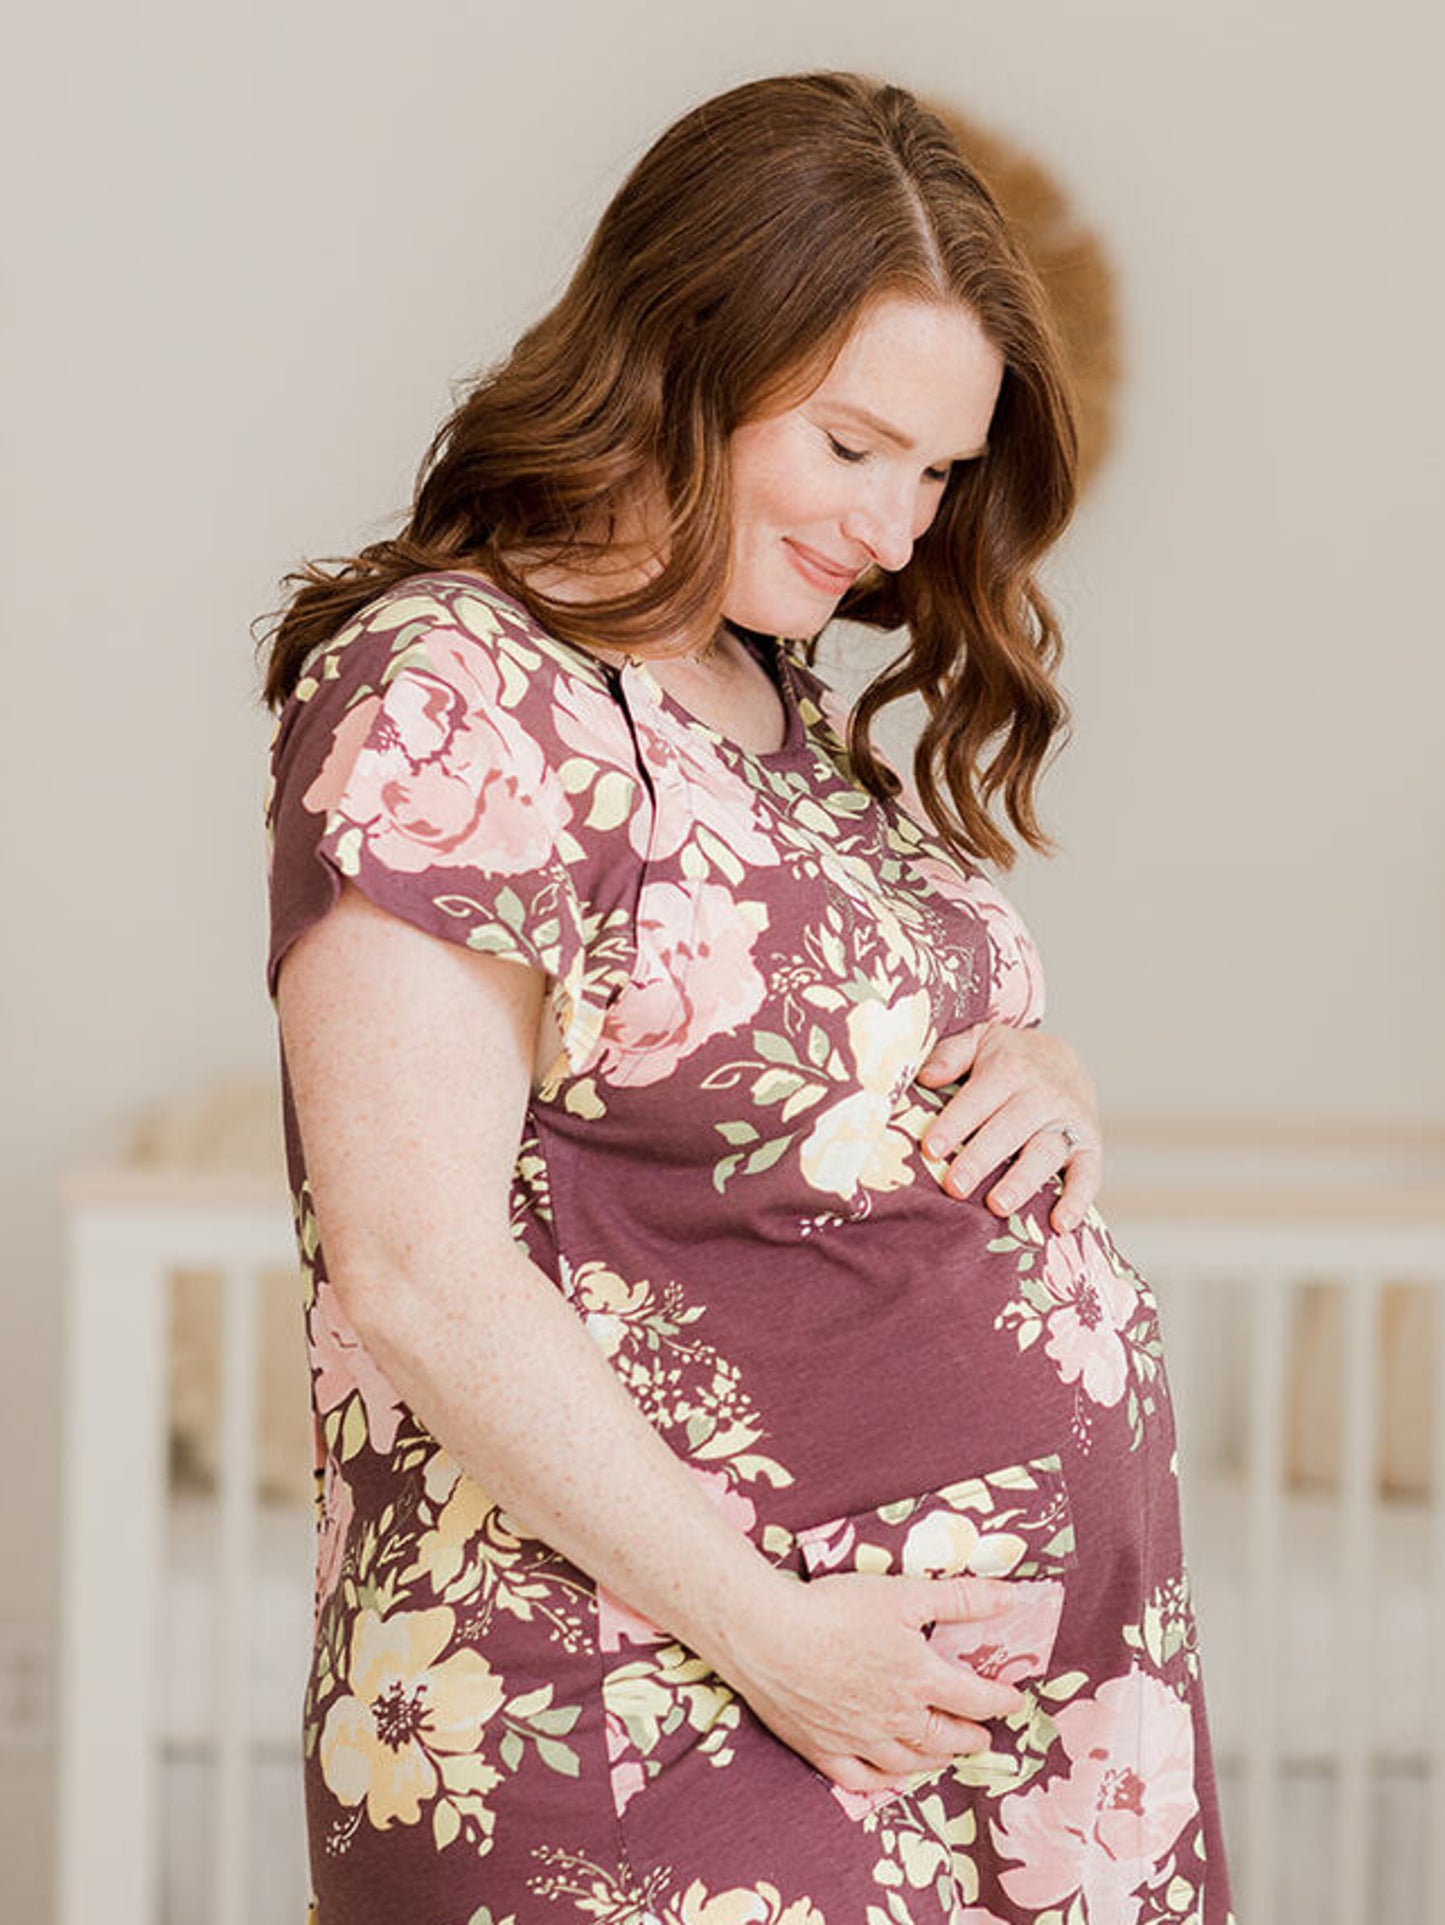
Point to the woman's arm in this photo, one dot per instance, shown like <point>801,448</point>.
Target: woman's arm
<point>410,1061</point>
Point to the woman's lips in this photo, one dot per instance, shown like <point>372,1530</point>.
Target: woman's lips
<point>817,569</point>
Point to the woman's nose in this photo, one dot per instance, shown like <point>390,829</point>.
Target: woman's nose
<point>885,529</point>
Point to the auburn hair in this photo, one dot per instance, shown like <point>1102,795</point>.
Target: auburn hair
<point>720,283</point>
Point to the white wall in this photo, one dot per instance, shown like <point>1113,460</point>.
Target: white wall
<point>253,248</point>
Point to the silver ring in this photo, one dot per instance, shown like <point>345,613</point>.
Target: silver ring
<point>1068,1132</point>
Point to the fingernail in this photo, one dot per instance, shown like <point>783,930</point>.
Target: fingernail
<point>934,1145</point>
<point>1006,1199</point>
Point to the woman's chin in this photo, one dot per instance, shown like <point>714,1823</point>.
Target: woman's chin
<point>797,617</point>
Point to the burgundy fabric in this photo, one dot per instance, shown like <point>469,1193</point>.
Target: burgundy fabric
<point>750,957</point>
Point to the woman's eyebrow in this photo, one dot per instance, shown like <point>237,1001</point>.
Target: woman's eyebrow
<point>890,433</point>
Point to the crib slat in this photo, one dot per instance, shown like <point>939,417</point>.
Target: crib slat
<point>1271,1300</point>
<point>114,1469</point>
<point>1353,1759</point>
<point>236,1502</point>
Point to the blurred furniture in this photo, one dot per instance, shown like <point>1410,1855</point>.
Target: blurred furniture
<point>1300,1278</point>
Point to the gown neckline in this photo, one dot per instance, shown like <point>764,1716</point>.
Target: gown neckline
<point>769,651</point>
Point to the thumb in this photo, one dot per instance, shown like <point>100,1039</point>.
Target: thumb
<point>952,1056</point>
<point>955,1600</point>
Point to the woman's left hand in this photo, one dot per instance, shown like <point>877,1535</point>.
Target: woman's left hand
<point>1024,1090</point>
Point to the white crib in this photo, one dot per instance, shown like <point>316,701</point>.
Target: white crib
<point>186,1619</point>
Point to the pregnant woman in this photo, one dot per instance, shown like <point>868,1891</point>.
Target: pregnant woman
<point>746,1471</point>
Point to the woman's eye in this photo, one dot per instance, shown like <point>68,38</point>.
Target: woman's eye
<point>844,454</point>
<point>937,474</point>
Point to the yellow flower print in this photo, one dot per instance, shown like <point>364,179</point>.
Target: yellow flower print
<point>610,1304</point>
<point>442,1551</point>
<point>408,1713</point>
<point>855,1142</point>
<point>945,1542</point>
<point>761,1904</point>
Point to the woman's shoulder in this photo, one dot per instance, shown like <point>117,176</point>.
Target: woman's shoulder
<point>442,679</point>
<point>447,619</point>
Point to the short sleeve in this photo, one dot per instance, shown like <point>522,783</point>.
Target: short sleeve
<point>470,776</point>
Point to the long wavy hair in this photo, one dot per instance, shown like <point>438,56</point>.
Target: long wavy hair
<point>721,281</point>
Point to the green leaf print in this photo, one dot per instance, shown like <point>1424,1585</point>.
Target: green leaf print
<point>775,1085</point>
<point>612,800</point>
<point>765,1157</point>
<point>802,1099</point>
<point>1066,1686</point>
<point>774,1048</point>
<point>353,1427</point>
<point>559,1757</point>
<point>720,854</point>
<point>510,908</point>
<point>517,665</point>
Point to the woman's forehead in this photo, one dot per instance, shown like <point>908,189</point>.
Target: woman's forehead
<point>911,371</point>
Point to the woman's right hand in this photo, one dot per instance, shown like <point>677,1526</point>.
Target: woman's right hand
<point>839,1668</point>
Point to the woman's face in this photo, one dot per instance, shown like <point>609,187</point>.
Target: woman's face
<point>851,475</point>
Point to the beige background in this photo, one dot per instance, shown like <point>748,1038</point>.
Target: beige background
<point>254,246</point>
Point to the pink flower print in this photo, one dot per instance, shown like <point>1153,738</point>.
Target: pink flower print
<point>337,1508</point>
<point>858,1804</point>
<point>1017,990</point>
<point>827,1546</point>
<point>1102,1827</point>
<point>628,1777</point>
<point>589,722</point>
<point>695,978</point>
<point>618,1623</point>
<point>735,1506</point>
<point>1094,1304</point>
<point>692,784</point>
<point>445,776</point>
<point>347,740</point>
<point>342,1365</point>
<point>1011,1644</point>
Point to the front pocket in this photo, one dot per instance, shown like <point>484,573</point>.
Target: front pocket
<point>1014,1522</point>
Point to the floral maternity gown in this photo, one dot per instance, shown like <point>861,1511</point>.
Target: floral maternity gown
<point>722,1173</point>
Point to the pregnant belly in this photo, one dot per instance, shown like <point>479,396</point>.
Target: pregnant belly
<point>868,1360</point>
